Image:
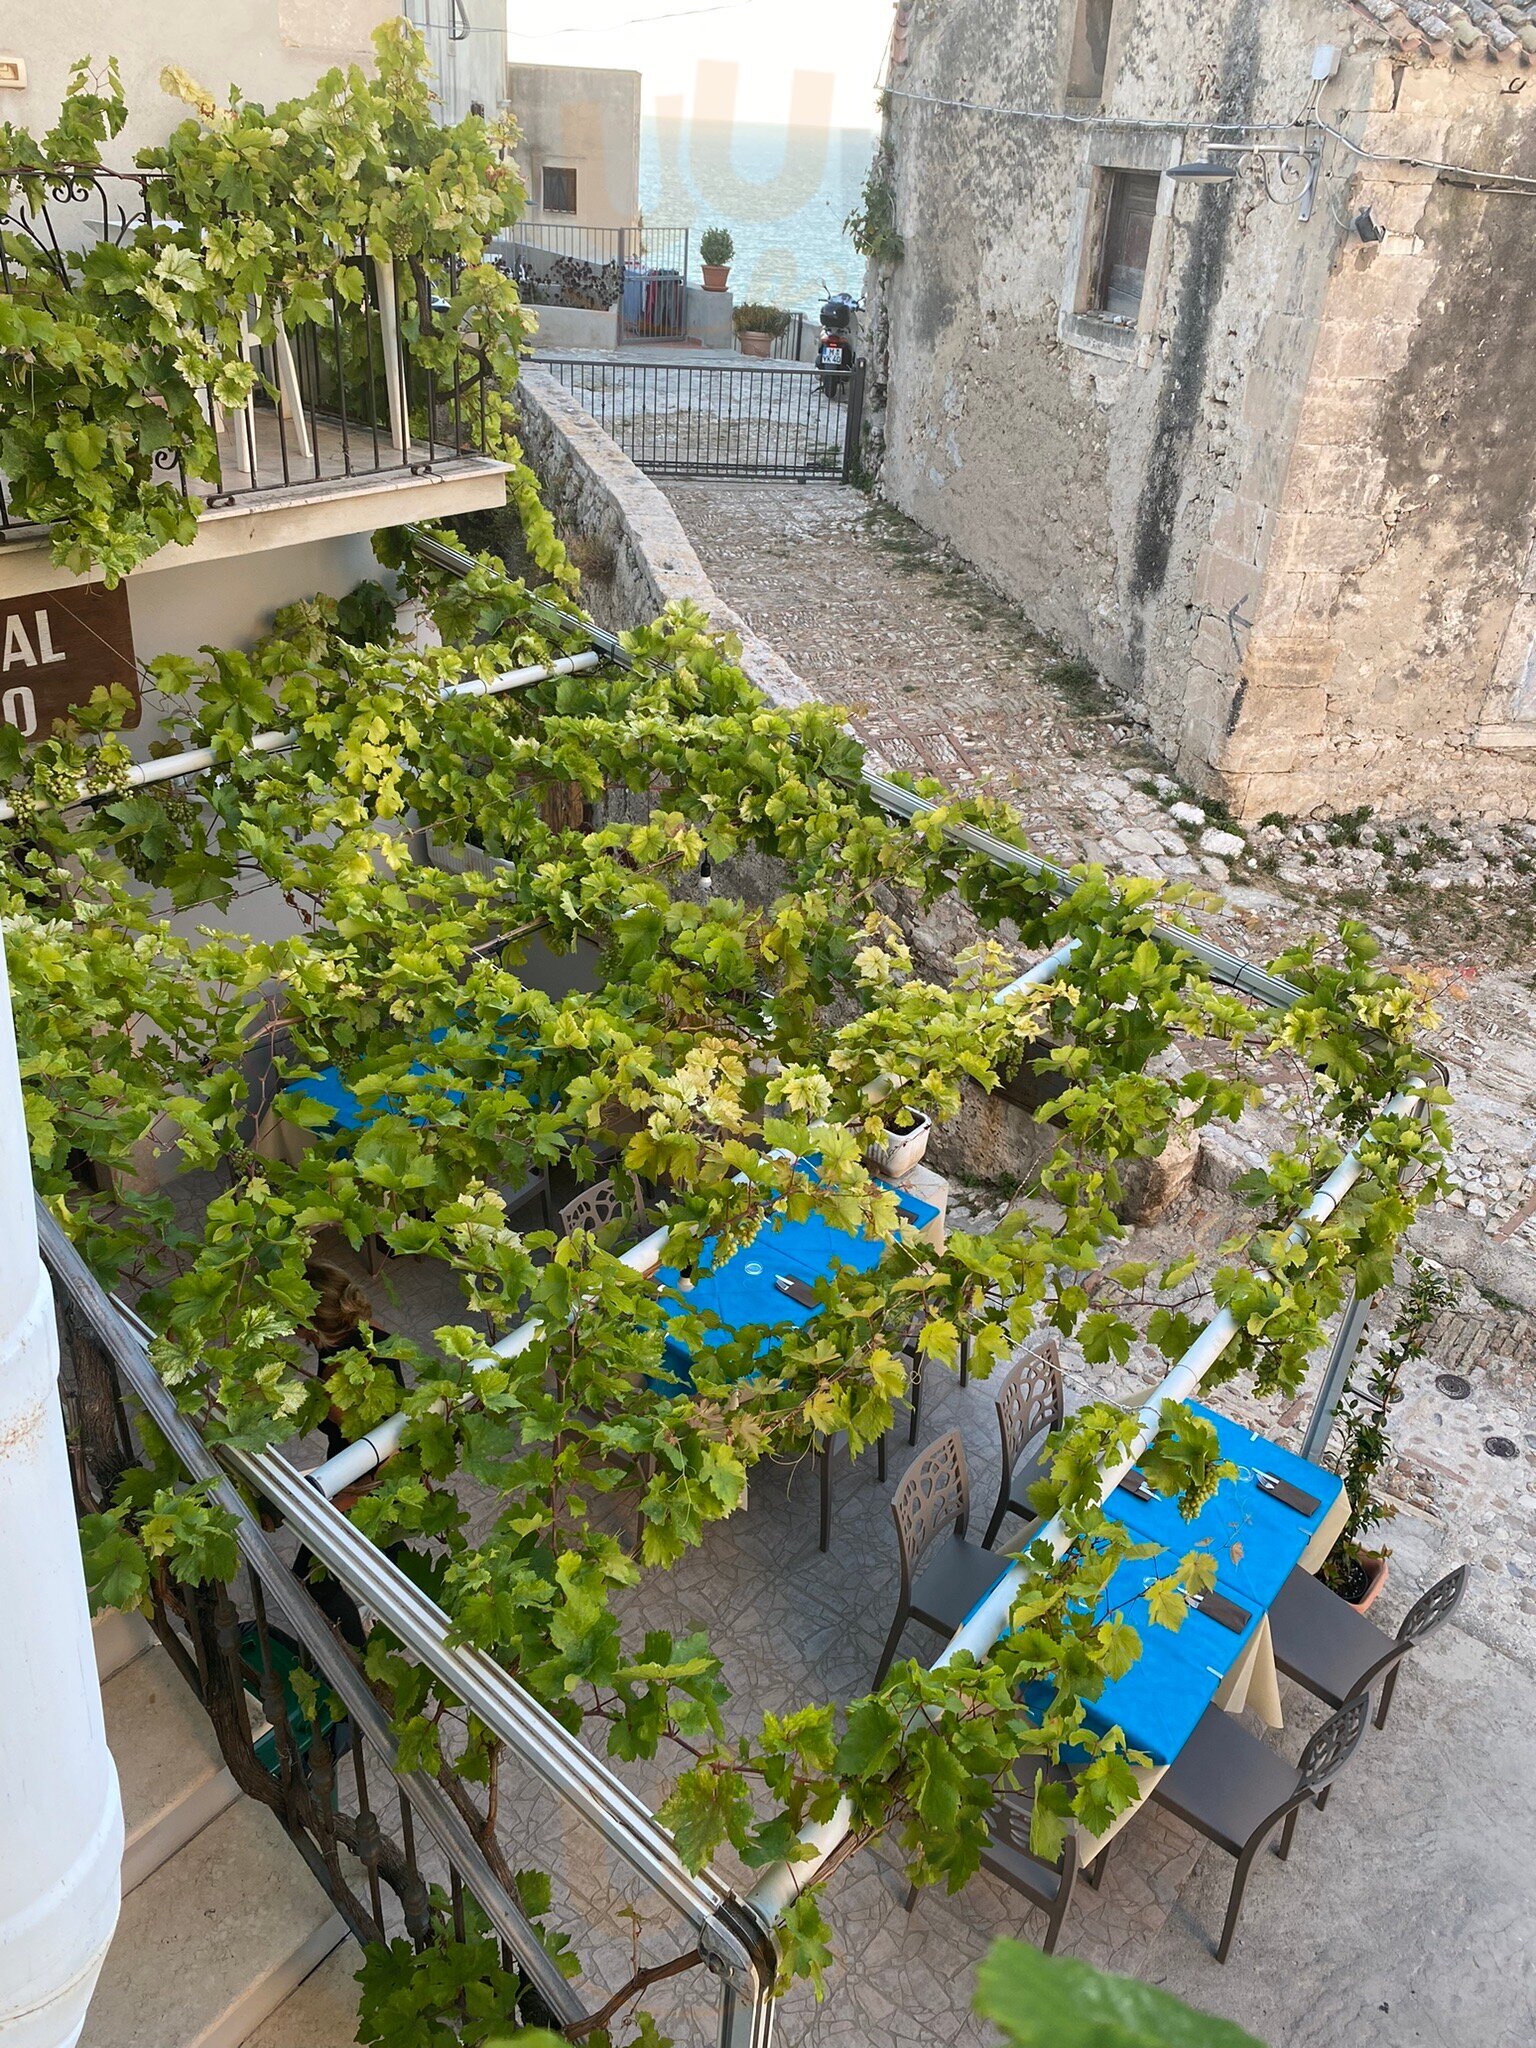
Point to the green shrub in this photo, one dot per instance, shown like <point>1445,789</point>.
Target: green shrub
<point>716,246</point>
<point>751,319</point>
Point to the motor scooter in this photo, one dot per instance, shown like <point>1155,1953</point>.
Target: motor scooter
<point>835,352</point>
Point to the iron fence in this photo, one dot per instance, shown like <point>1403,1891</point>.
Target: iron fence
<point>278,1670</point>
<point>789,347</point>
<point>341,395</point>
<point>642,270</point>
<point>760,421</point>
<point>298,1725</point>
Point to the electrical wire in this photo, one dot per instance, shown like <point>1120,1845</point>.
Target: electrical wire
<point>1170,127</point>
<point>1510,182</point>
<point>598,28</point>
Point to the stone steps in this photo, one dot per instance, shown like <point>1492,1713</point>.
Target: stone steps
<point>221,1918</point>
<point>172,1777</point>
<point>322,2012</point>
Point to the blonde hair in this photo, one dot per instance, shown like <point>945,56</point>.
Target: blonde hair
<point>342,1306</point>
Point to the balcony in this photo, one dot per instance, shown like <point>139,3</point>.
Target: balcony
<point>345,406</point>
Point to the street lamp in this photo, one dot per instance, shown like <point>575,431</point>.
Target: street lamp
<point>1287,170</point>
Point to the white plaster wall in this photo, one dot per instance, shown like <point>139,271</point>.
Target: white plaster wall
<point>471,72</point>
<point>584,118</point>
<point>231,603</point>
<point>271,49</point>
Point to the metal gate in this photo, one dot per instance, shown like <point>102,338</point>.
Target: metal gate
<point>755,421</point>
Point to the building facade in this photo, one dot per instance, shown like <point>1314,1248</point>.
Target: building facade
<point>1251,440</point>
<point>303,483</point>
<point>580,147</point>
<point>272,49</point>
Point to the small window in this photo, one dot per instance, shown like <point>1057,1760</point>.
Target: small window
<point>1125,237</point>
<point>1090,50</point>
<point>559,191</point>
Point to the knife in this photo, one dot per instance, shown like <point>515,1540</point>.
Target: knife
<point>796,1290</point>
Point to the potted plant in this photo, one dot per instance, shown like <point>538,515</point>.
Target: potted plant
<point>1355,1573</point>
<point>715,252</point>
<point>758,328</point>
<point>904,1143</point>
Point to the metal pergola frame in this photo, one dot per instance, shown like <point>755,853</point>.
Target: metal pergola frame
<point>736,1936</point>
<point>782,1883</point>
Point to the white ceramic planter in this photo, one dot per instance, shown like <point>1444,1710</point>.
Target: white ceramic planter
<point>901,1151</point>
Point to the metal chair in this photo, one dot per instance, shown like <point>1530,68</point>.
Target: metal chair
<point>600,1205</point>
<point>941,1581</point>
<point>919,1364</point>
<point>1008,1855</point>
<point>1333,1652</point>
<point>1030,1403</point>
<point>1235,1791</point>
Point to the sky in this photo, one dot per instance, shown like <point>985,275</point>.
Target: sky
<point>811,61</point>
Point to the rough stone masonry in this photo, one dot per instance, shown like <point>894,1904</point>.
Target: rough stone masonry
<point>1269,474</point>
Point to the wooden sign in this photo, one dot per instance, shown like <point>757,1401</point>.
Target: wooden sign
<point>56,647</point>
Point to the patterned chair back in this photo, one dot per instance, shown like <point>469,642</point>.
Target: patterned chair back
<point>933,1498</point>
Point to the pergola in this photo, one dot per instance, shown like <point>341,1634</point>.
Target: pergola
<point>734,1933</point>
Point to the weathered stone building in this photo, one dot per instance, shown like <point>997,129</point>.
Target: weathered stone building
<point>1258,446</point>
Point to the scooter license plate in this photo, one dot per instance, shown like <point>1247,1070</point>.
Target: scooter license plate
<point>829,358</point>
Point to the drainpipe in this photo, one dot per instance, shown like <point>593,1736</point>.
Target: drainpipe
<point>61,1819</point>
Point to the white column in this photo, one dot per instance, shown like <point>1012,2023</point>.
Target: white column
<point>394,361</point>
<point>61,1820</point>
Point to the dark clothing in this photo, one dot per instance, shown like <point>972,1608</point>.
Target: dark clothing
<point>366,1339</point>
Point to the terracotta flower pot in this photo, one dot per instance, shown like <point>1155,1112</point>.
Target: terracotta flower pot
<point>715,275</point>
<point>755,344</point>
<point>1376,1570</point>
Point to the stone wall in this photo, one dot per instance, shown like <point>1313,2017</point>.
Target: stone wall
<point>1267,511</point>
<point>1392,643</point>
<point>634,556</point>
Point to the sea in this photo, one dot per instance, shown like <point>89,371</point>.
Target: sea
<point>783,192</point>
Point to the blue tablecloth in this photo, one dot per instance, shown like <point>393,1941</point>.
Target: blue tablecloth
<point>350,1113</point>
<point>741,1293</point>
<point>1257,1542</point>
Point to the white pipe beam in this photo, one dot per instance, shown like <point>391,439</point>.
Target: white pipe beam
<point>782,1883</point>
<point>198,760</point>
<point>1043,970</point>
<point>61,1817</point>
<point>358,1461</point>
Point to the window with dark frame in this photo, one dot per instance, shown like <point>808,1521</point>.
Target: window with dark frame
<point>1090,49</point>
<point>1119,273</point>
<point>559,191</point>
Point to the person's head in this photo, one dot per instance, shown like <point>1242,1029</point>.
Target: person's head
<point>342,1308</point>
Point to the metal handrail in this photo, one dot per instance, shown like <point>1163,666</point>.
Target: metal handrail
<point>126,1351</point>
<point>735,1949</point>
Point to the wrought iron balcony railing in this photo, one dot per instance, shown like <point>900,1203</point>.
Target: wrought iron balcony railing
<point>341,398</point>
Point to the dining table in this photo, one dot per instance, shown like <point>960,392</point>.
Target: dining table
<point>742,1293</point>
<point>1257,1537</point>
<point>282,1137</point>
